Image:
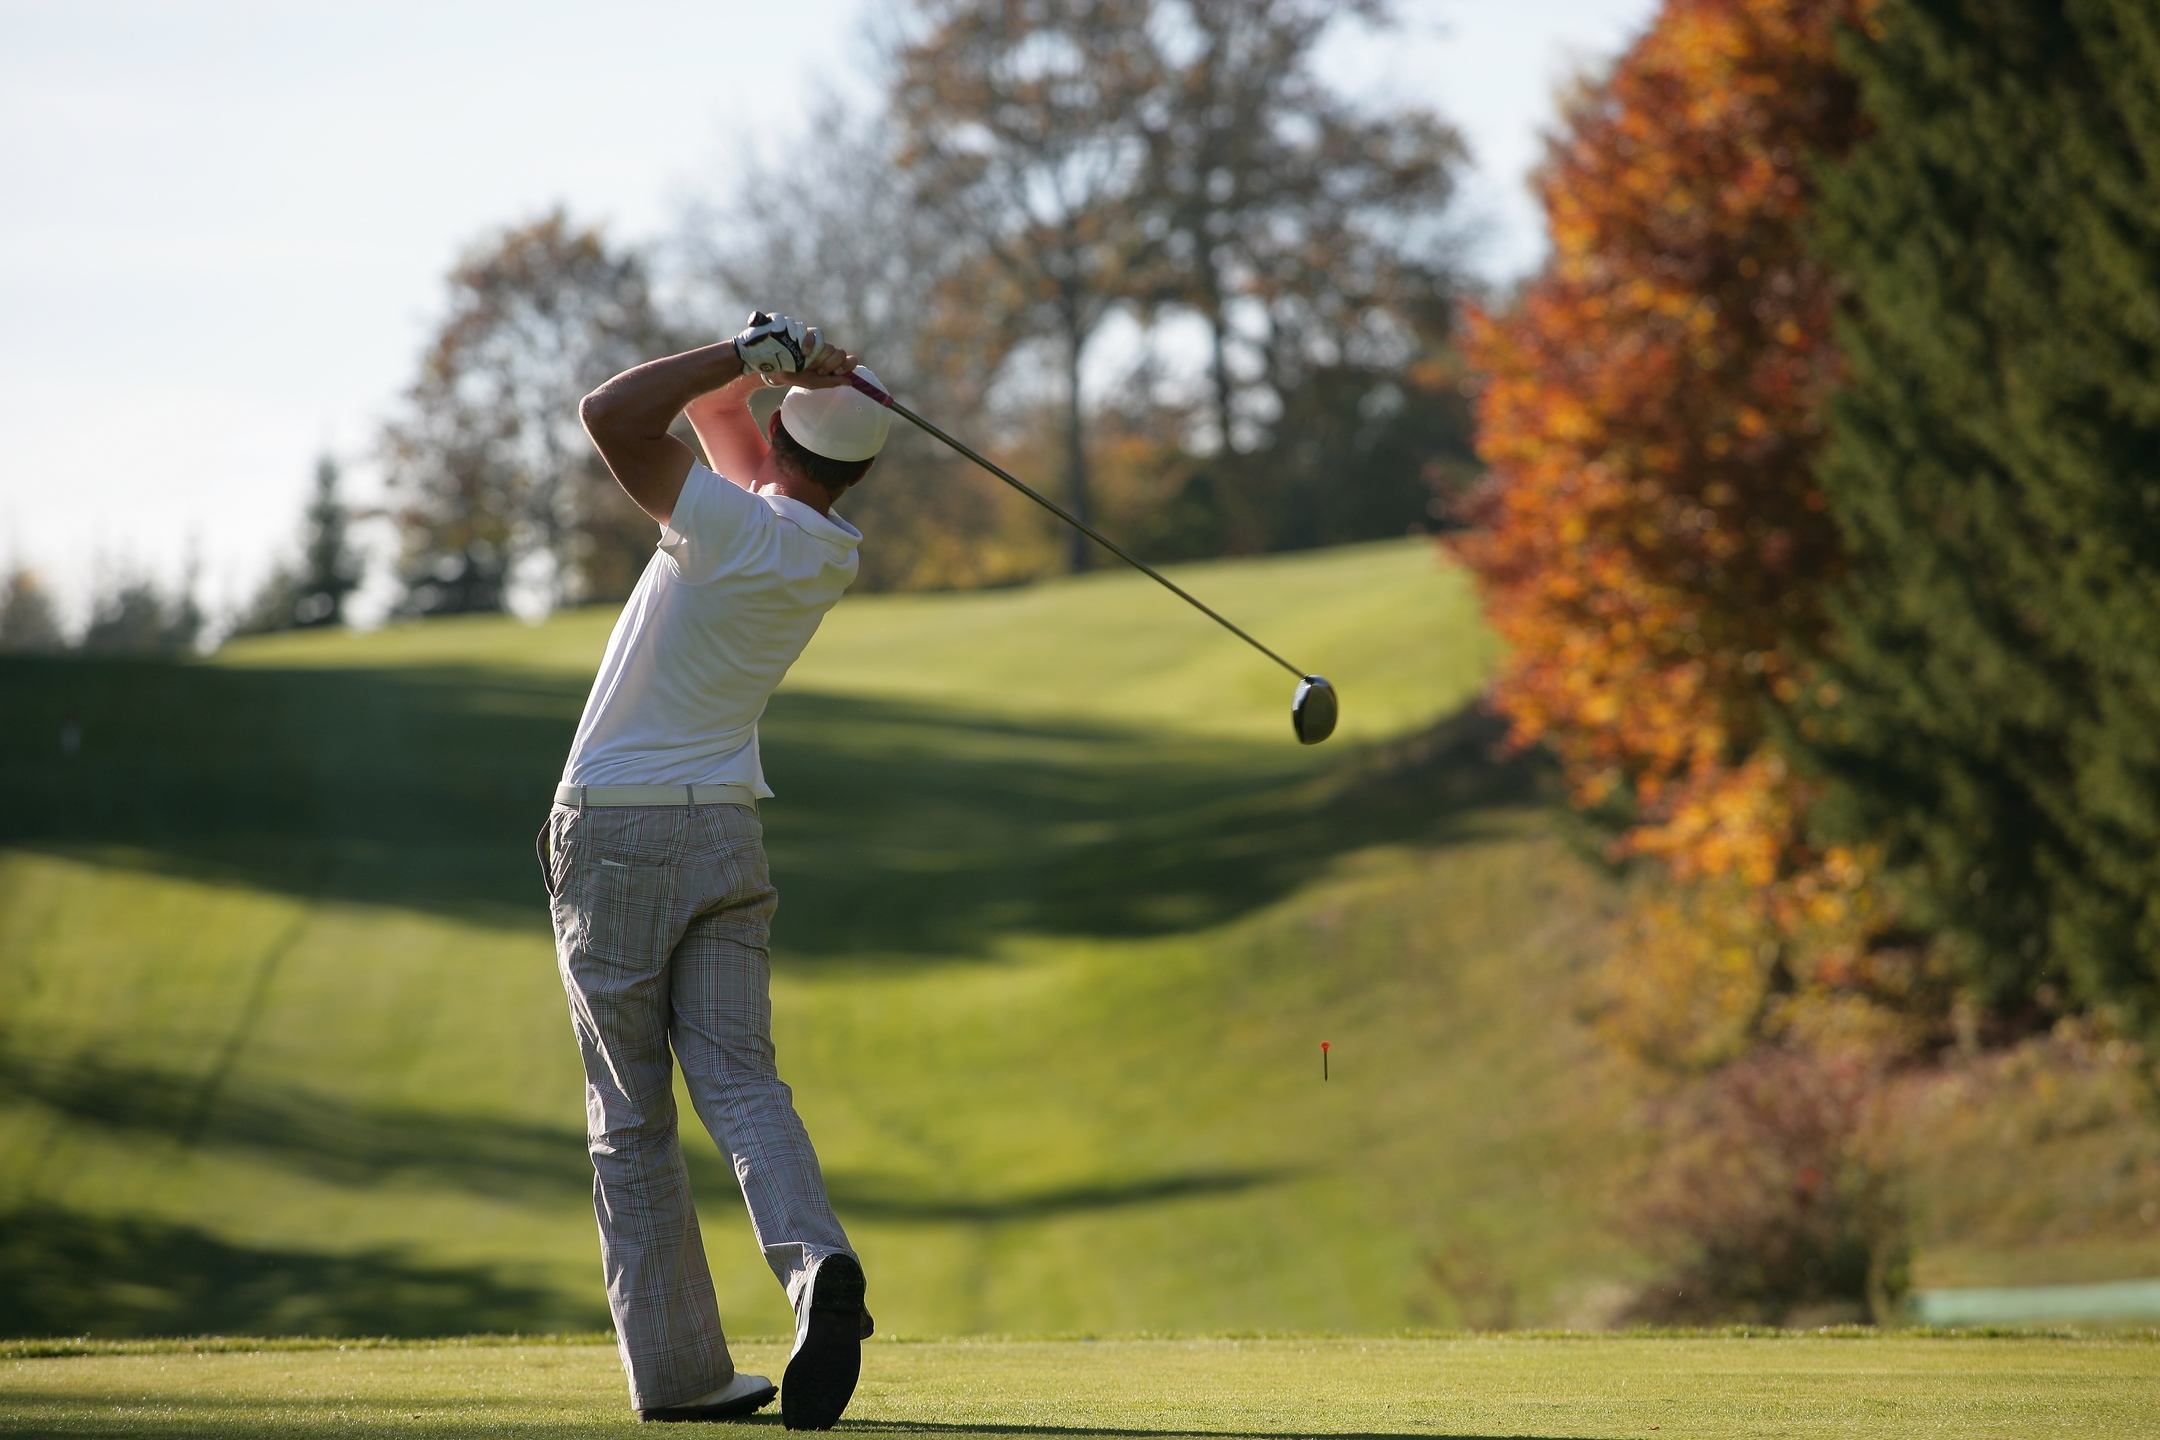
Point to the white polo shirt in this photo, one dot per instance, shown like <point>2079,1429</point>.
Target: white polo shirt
<point>733,594</point>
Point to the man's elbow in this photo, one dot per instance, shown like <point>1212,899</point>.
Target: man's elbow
<point>594,410</point>
<point>598,413</point>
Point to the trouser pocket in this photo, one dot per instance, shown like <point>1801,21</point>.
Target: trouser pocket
<point>544,852</point>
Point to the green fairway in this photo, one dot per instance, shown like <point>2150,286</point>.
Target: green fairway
<point>1699,1387</point>
<point>1065,916</point>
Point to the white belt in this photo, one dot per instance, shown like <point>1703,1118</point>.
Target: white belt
<point>583,795</point>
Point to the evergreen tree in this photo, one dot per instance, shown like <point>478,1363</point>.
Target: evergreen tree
<point>28,622</point>
<point>128,619</point>
<point>184,617</point>
<point>1990,701</point>
<point>131,616</point>
<point>330,570</point>
<point>309,590</point>
<point>274,606</point>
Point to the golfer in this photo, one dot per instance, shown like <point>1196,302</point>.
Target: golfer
<point>655,860</point>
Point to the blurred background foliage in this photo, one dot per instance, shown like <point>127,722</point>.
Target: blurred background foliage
<point>1820,520</point>
<point>1039,172</point>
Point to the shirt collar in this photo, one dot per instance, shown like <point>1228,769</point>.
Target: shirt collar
<point>834,528</point>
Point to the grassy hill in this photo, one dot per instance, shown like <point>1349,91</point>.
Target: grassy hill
<point>1065,915</point>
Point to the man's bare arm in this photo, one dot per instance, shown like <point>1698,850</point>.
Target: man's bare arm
<point>721,418</point>
<point>628,417</point>
<point>628,420</point>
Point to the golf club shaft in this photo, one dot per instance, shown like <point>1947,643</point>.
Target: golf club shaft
<point>1069,518</point>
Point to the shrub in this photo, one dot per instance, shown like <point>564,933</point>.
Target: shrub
<point>1771,1198</point>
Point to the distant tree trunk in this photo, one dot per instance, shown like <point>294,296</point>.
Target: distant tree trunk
<point>1219,369</point>
<point>1024,128</point>
<point>557,536</point>
<point>1079,551</point>
<point>1270,190</point>
<point>486,461</point>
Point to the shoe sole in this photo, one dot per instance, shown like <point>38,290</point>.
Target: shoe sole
<point>689,1414</point>
<point>821,1376</point>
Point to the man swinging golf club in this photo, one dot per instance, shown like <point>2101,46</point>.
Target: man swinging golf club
<point>655,862</point>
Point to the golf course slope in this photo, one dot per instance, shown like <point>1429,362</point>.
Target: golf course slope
<point>1066,913</point>
<point>1708,1387</point>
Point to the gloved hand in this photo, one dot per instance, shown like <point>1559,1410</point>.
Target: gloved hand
<point>776,344</point>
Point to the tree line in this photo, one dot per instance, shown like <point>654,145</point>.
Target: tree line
<point>1278,259</point>
<point>131,614</point>
<point>1823,526</point>
<point>1032,173</point>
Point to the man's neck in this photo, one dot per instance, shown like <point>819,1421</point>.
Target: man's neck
<point>776,481</point>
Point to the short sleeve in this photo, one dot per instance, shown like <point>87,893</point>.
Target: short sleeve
<point>715,524</point>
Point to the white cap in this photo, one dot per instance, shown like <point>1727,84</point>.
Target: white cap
<point>838,422</point>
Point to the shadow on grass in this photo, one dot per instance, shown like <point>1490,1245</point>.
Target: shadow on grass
<point>356,1146</point>
<point>70,1274</point>
<point>899,1203</point>
<point>325,1138</point>
<point>73,1274</point>
<point>902,829</point>
<point>984,828</point>
<point>406,787</point>
<point>58,1413</point>
<point>938,1427</point>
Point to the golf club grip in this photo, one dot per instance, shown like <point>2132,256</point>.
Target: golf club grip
<point>1069,518</point>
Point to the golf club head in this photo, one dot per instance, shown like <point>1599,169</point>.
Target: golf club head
<point>1312,712</point>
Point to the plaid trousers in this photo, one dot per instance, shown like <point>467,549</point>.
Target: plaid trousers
<point>661,919</point>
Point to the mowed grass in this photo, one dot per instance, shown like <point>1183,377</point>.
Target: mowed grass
<point>1701,1387</point>
<point>1066,915</point>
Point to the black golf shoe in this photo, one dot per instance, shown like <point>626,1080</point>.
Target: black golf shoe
<point>829,1327</point>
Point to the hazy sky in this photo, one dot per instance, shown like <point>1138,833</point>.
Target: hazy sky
<point>228,223</point>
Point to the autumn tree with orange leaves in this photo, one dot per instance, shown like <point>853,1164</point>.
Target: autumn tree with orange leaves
<point>1651,541</point>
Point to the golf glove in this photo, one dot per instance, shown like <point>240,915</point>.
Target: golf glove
<point>775,344</point>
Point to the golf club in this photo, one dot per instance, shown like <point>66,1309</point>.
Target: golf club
<point>1312,709</point>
